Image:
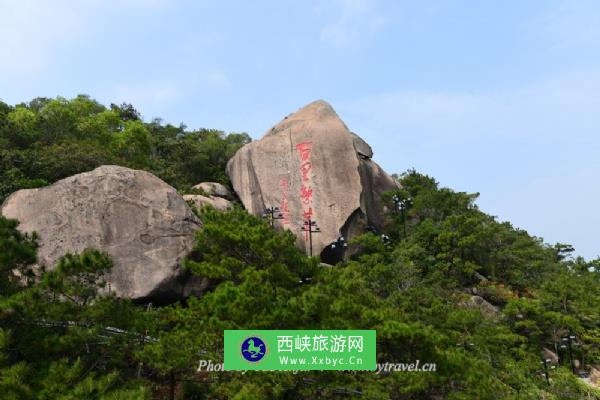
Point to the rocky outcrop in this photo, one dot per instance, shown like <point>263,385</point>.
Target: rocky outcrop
<point>199,201</point>
<point>140,221</point>
<point>550,356</point>
<point>215,189</point>
<point>479,303</point>
<point>213,194</point>
<point>595,376</point>
<point>311,166</point>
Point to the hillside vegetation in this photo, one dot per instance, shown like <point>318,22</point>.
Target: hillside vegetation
<point>60,338</point>
<point>49,139</point>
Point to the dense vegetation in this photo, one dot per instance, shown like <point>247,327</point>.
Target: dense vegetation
<point>61,339</point>
<point>49,139</point>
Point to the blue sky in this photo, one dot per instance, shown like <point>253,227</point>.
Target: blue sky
<point>500,98</point>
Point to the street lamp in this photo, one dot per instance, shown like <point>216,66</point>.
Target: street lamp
<point>466,345</point>
<point>386,240</point>
<point>339,243</point>
<point>568,339</point>
<point>311,227</point>
<point>401,205</point>
<point>372,229</point>
<point>545,362</point>
<point>272,213</point>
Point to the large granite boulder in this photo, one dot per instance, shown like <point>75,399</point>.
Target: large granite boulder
<point>479,303</point>
<point>140,221</point>
<point>219,203</point>
<point>595,376</point>
<point>215,189</point>
<point>311,166</point>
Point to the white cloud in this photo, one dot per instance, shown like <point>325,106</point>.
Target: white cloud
<point>355,19</point>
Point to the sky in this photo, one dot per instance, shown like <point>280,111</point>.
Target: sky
<point>500,98</point>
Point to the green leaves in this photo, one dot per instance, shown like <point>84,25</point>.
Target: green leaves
<point>233,241</point>
<point>22,127</point>
<point>14,383</point>
<point>49,139</point>
<point>78,277</point>
<point>461,243</point>
<point>64,336</point>
<point>17,254</point>
<point>133,143</point>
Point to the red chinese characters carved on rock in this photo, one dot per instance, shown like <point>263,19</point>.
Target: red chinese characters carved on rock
<point>305,194</point>
<point>304,150</point>
<point>305,169</point>
<point>284,205</point>
<point>307,214</point>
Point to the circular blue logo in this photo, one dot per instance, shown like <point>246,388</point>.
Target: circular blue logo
<point>253,349</point>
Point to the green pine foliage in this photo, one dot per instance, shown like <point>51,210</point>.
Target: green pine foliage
<point>17,254</point>
<point>45,140</point>
<point>411,291</point>
<point>61,338</point>
<point>64,335</point>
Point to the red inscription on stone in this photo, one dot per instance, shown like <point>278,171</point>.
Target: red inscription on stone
<point>305,171</point>
<point>284,206</point>
<point>307,214</point>
<point>304,150</point>
<point>306,194</point>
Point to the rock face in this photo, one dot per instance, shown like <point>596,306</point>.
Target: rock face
<point>595,376</point>
<point>478,302</point>
<point>215,189</point>
<point>140,221</point>
<point>311,166</point>
<point>218,203</point>
<point>548,354</point>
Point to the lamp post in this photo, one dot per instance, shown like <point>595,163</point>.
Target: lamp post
<point>386,240</point>
<point>545,362</point>
<point>311,227</point>
<point>272,213</point>
<point>340,244</point>
<point>372,229</point>
<point>466,345</point>
<point>568,339</point>
<point>401,205</point>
